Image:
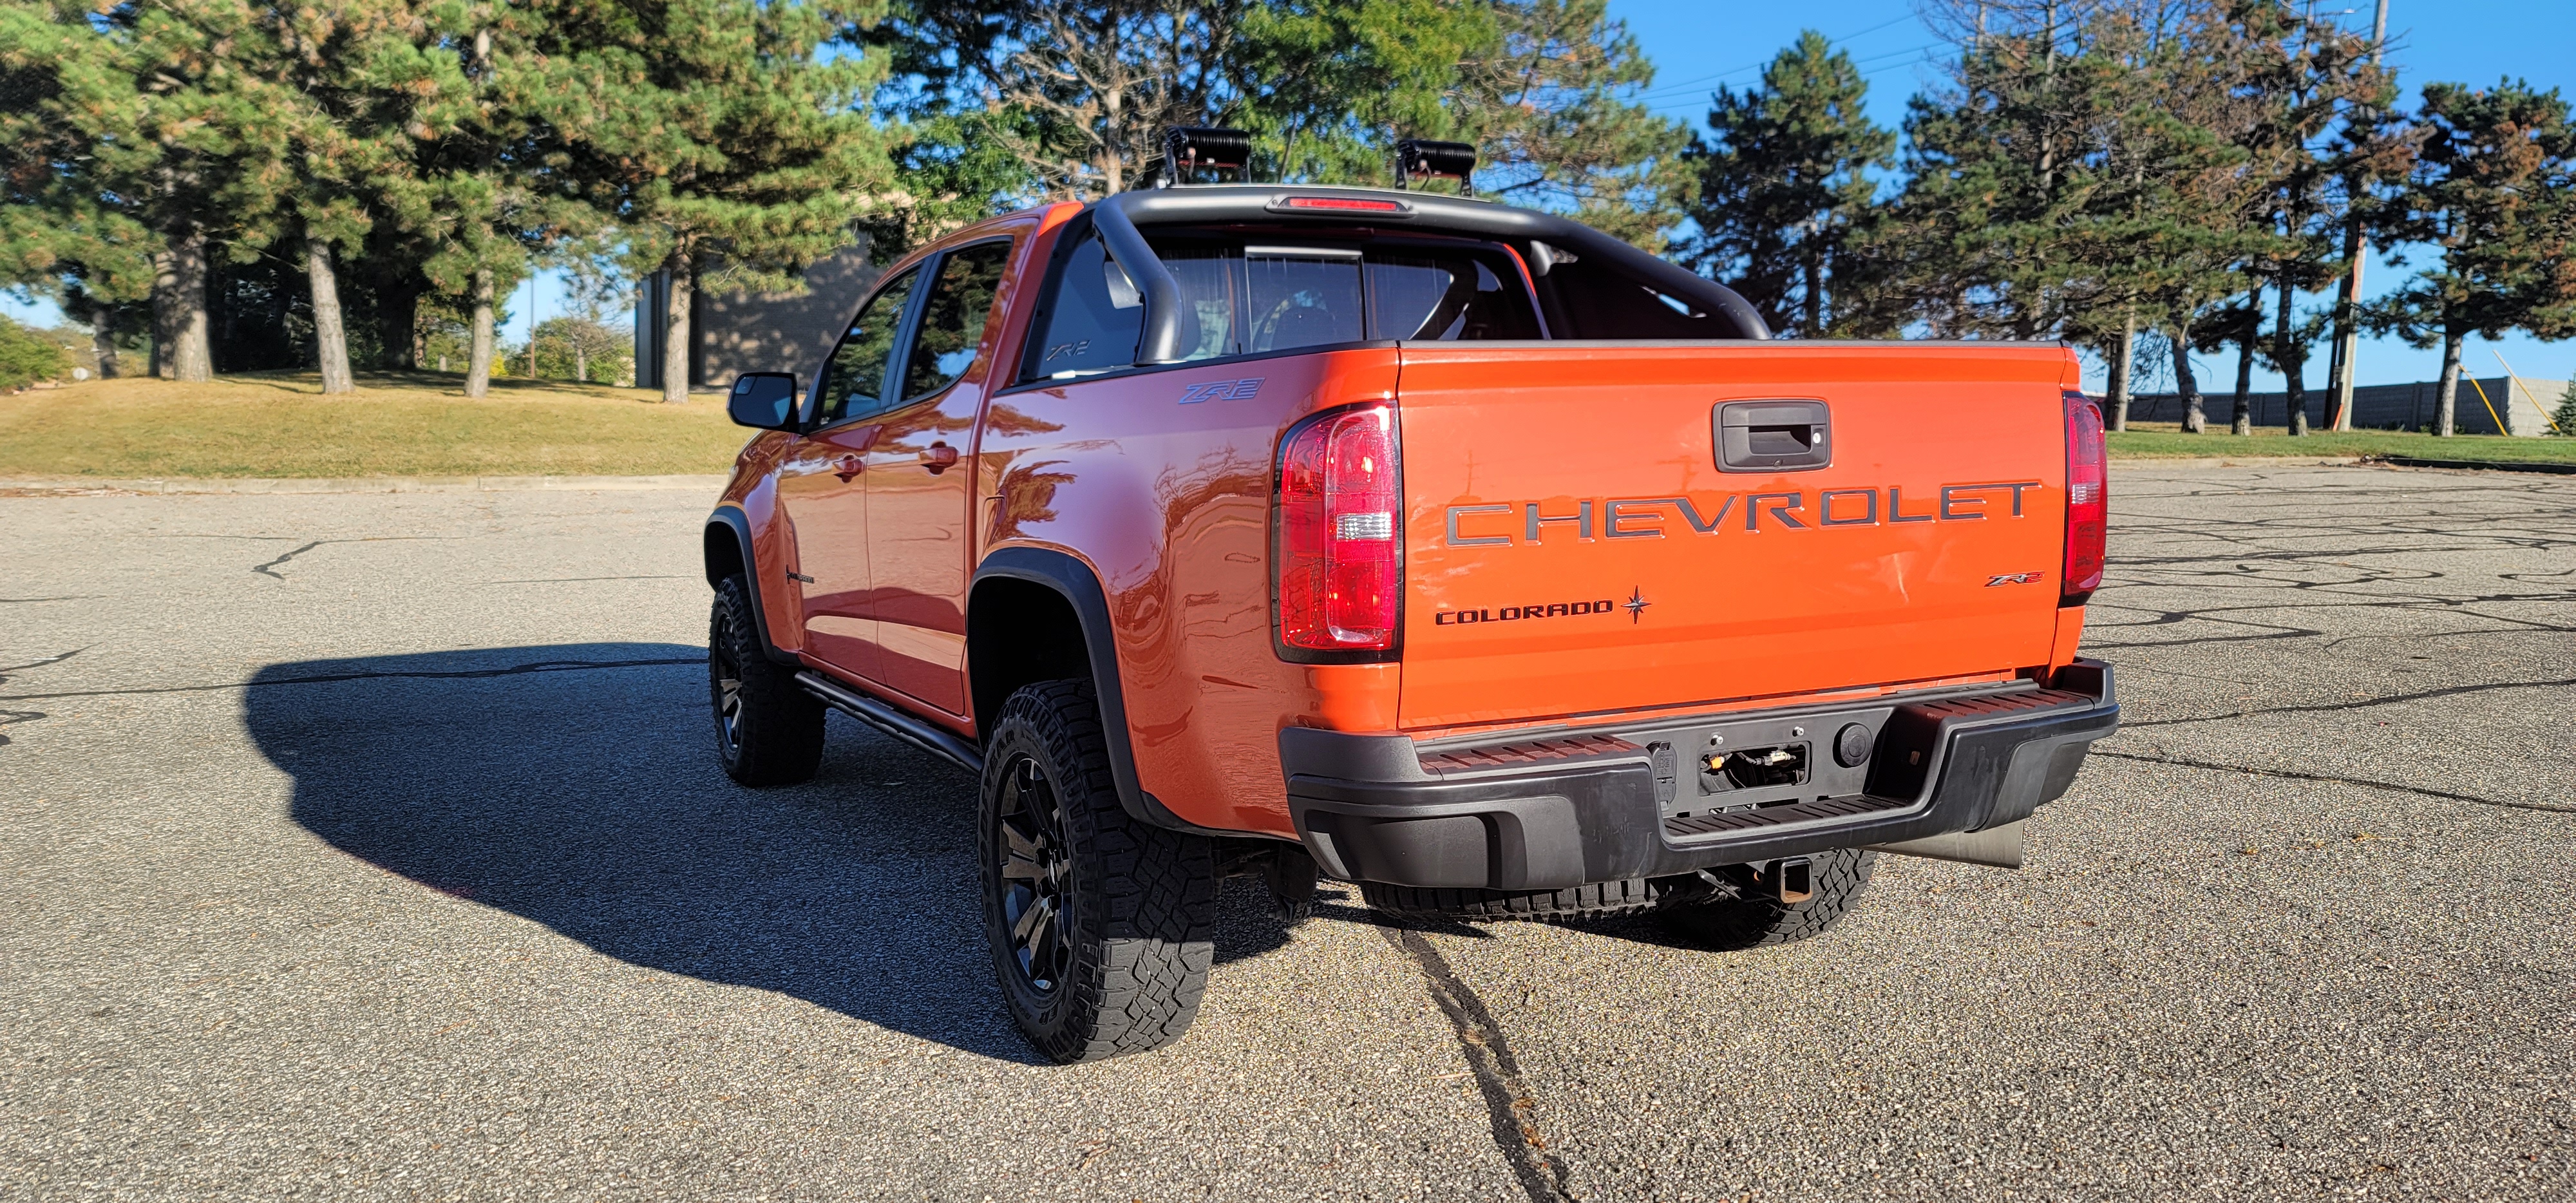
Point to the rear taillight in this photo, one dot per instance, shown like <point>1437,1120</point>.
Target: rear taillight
<point>2088,500</point>
<point>1340,539</point>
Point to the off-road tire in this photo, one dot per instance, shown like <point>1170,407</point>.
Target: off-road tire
<point>774,732</point>
<point>1137,907</point>
<point>1598,900</point>
<point>1754,920</point>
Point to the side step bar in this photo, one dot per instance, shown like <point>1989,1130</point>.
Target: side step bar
<point>943,744</point>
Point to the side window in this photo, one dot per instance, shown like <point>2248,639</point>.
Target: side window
<point>1297,298</point>
<point>854,383</point>
<point>952,319</point>
<point>1207,278</point>
<point>1446,298</point>
<point>1094,319</point>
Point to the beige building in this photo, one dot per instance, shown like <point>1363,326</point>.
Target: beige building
<point>2483,403</point>
<point>732,333</point>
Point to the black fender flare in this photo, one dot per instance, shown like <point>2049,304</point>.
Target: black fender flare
<point>1074,580</point>
<point>731,519</point>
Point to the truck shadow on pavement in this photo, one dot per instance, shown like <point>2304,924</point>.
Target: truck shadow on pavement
<point>576,786</point>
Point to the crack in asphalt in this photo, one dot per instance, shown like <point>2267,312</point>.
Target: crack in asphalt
<point>1508,1102</point>
<point>10,718</point>
<point>2364,782</point>
<point>538,666</point>
<point>2450,692</point>
<point>263,569</point>
<point>6,669</point>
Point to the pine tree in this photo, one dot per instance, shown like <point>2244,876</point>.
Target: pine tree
<point>343,89</point>
<point>2001,163</point>
<point>1784,185</point>
<point>1551,108</point>
<point>2493,195</point>
<point>63,229</point>
<point>159,143</point>
<point>1067,99</point>
<point>716,139</point>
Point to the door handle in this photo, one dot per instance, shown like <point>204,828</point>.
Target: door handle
<point>848,466</point>
<point>1773,436</point>
<point>939,458</point>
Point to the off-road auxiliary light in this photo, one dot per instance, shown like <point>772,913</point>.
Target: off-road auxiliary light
<point>1421,158</point>
<point>1339,530</point>
<point>2088,500</point>
<point>1187,148</point>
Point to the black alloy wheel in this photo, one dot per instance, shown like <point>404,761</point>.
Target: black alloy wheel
<point>1036,874</point>
<point>1101,925</point>
<point>724,687</point>
<point>769,731</point>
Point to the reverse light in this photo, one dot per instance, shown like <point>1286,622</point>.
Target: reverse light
<point>2088,500</point>
<point>1340,555</point>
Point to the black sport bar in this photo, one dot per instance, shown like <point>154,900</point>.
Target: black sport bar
<point>1118,217</point>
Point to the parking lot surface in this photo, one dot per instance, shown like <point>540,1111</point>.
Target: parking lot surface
<point>369,846</point>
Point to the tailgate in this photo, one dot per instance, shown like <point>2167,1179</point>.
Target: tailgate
<point>1656,579</point>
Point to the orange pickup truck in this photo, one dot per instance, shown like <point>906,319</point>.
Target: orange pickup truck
<point>1451,549</point>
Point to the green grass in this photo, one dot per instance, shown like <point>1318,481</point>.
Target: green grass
<point>421,424</point>
<point>2164,440</point>
<point>408,424</point>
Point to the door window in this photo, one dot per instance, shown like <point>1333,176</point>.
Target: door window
<point>854,383</point>
<point>952,318</point>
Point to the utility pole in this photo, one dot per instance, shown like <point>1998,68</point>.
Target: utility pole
<point>2357,250</point>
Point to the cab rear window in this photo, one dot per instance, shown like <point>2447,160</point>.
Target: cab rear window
<point>1257,296</point>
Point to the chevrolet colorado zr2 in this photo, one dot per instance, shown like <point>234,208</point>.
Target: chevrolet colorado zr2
<point>1454,550</point>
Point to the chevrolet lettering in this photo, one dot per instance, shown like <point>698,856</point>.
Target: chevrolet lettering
<point>1495,524</point>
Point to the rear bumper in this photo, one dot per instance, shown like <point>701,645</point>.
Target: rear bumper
<point>1618,803</point>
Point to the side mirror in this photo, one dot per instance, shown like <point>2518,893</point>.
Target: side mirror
<point>763,400</point>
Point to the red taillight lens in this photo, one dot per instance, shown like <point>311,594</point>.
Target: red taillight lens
<point>1341,542</point>
<point>2088,499</point>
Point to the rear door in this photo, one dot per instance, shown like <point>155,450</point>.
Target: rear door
<point>1575,544</point>
<point>921,481</point>
<point>822,483</point>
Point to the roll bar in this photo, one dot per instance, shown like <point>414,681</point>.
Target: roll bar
<point>1119,217</point>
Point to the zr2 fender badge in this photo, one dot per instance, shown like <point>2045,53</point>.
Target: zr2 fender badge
<point>1222,390</point>
<point>2014,578</point>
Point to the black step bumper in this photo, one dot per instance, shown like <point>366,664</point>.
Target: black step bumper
<point>1609,804</point>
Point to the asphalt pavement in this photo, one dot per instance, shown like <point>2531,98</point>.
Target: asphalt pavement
<point>372,846</point>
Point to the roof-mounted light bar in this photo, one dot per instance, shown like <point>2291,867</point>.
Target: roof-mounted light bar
<point>1422,158</point>
<point>1187,148</point>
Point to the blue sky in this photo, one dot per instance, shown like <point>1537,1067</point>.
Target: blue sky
<point>1698,44</point>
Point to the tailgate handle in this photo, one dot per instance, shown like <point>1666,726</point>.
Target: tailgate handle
<point>1773,436</point>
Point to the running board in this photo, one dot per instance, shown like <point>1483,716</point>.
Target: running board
<point>945,745</point>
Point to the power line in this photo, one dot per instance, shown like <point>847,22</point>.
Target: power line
<point>1696,81</point>
<point>1895,58</point>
